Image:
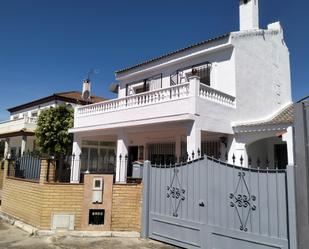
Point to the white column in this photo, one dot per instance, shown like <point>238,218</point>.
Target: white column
<point>121,159</point>
<point>178,146</point>
<point>193,139</point>
<point>288,138</point>
<point>76,153</point>
<point>194,89</point>
<point>7,148</point>
<point>241,153</point>
<point>238,150</point>
<point>23,145</point>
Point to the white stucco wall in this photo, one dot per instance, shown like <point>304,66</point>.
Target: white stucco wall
<point>218,52</point>
<point>28,111</point>
<point>263,83</point>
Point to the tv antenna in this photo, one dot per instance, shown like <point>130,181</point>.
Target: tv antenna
<point>92,72</point>
<point>86,94</point>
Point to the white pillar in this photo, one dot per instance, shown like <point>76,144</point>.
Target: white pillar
<point>7,148</point>
<point>23,145</point>
<point>194,89</point>
<point>288,138</point>
<point>193,139</point>
<point>76,153</point>
<point>238,150</point>
<point>241,154</point>
<point>121,159</point>
<point>178,146</point>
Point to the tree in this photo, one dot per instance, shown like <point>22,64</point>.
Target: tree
<point>52,134</point>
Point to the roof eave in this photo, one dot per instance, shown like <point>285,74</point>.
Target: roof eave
<point>120,73</point>
<point>53,97</point>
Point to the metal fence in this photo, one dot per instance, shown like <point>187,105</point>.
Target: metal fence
<point>25,167</point>
<point>59,170</point>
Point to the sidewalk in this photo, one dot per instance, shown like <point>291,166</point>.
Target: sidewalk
<point>14,238</point>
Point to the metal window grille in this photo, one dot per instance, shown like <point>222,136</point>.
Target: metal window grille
<point>96,216</point>
<point>211,148</point>
<point>204,73</point>
<point>161,153</point>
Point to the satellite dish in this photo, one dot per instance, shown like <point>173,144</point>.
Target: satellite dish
<point>86,89</point>
<point>86,95</point>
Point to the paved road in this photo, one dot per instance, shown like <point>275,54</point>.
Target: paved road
<point>14,238</point>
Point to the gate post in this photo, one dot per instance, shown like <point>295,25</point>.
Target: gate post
<point>291,201</point>
<point>145,206</point>
<point>301,157</point>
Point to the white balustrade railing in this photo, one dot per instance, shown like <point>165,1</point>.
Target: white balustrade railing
<point>209,93</point>
<point>17,124</point>
<point>153,97</point>
<point>31,120</point>
<point>137,100</point>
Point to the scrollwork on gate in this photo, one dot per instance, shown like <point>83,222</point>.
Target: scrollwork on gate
<point>243,201</point>
<point>175,192</point>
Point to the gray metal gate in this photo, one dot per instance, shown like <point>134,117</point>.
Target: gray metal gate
<point>210,204</point>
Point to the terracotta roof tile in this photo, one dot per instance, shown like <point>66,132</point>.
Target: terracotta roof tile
<point>76,95</point>
<point>284,116</point>
<point>72,96</point>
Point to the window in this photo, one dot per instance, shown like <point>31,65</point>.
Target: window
<point>141,88</point>
<point>211,148</point>
<point>34,114</point>
<point>162,154</point>
<point>204,73</point>
<point>182,75</point>
<point>98,157</point>
<point>149,84</point>
<point>96,216</point>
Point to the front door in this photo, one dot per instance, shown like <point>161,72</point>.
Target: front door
<point>281,156</point>
<point>132,157</point>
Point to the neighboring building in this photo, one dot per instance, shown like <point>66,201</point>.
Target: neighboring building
<point>230,95</point>
<point>18,132</point>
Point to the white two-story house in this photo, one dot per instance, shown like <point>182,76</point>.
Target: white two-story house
<point>18,132</point>
<point>227,97</point>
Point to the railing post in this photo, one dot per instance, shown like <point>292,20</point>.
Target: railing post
<point>292,218</point>
<point>76,160</point>
<point>43,171</point>
<point>5,170</point>
<point>146,193</point>
<point>194,89</point>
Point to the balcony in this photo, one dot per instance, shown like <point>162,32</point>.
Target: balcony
<point>24,124</point>
<point>173,103</point>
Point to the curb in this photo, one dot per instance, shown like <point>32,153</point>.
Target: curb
<point>93,234</point>
<point>82,234</point>
<point>19,224</point>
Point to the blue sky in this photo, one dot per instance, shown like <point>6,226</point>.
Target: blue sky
<point>48,46</point>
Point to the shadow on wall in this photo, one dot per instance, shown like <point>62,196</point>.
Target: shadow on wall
<point>269,152</point>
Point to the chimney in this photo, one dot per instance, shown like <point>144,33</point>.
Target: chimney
<point>86,89</point>
<point>249,14</point>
